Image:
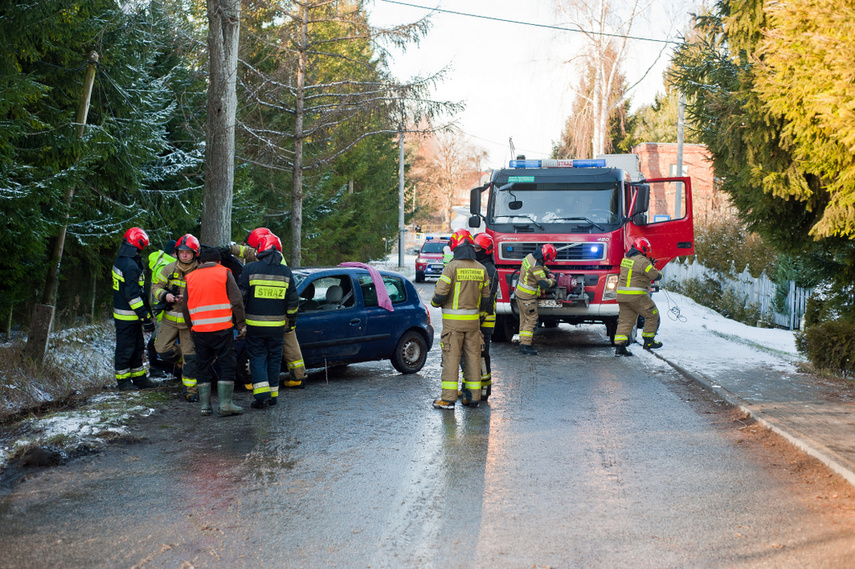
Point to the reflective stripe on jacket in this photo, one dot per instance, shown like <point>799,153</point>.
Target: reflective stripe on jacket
<point>636,275</point>
<point>173,275</point>
<point>267,288</point>
<point>128,285</point>
<point>208,299</point>
<point>462,286</point>
<point>531,273</point>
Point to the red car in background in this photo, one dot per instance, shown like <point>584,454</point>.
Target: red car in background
<point>429,262</point>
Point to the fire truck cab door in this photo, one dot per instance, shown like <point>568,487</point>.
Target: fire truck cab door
<point>667,222</point>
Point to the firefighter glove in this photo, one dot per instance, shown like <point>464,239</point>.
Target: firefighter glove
<point>148,324</point>
<point>241,333</point>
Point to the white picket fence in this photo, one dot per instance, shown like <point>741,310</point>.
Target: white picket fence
<point>759,291</point>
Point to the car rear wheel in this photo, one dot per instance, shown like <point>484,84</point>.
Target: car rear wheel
<point>410,353</point>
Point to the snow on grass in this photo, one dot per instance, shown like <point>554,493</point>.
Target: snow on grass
<point>102,418</point>
<point>700,339</point>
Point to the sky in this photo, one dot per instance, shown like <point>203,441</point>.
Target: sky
<point>515,79</point>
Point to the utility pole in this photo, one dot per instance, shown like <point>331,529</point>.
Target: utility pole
<point>401,193</point>
<point>678,194</point>
<point>42,319</point>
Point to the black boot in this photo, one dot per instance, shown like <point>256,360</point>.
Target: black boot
<point>260,402</point>
<point>143,382</point>
<point>126,385</point>
<point>620,350</point>
<point>527,349</point>
<point>651,344</point>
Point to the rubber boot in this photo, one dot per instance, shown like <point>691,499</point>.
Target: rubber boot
<point>205,398</point>
<point>126,385</point>
<point>528,350</point>
<point>225,391</point>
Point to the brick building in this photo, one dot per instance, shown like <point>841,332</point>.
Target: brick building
<point>659,160</point>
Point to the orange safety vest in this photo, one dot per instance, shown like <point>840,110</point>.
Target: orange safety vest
<point>207,299</point>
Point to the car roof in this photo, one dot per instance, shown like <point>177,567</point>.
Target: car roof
<point>308,271</point>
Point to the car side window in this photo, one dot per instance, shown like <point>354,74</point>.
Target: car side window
<point>327,293</point>
<point>394,287</point>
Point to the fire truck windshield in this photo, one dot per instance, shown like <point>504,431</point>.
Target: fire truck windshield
<point>541,204</point>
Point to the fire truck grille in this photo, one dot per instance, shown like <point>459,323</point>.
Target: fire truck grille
<point>578,251</point>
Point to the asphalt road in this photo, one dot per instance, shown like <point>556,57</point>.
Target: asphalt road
<point>580,460</point>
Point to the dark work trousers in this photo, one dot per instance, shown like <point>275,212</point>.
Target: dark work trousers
<point>265,361</point>
<point>214,347</point>
<point>130,346</point>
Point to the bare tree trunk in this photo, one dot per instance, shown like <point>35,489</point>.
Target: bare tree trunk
<point>49,294</point>
<point>297,172</point>
<point>223,36</point>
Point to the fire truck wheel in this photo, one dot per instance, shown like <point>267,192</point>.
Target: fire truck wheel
<point>611,329</point>
<point>506,326</point>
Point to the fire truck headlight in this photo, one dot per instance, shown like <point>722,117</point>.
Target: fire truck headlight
<point>610,292</point>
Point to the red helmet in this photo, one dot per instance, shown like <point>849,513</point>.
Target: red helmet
<point>188,243</point>
<point>485,242</point>
<point>137,237</point>
<point>458,237</point>
<point>549,252</point>
<point>269,241</point>
<point>643,245</point>
<point>255,235</point>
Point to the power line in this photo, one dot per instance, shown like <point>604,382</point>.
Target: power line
<point>532,24</point>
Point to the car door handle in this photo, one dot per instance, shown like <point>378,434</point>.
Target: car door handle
<point>355,321</point>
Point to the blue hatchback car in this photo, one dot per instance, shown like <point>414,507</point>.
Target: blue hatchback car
<point>341,320</point>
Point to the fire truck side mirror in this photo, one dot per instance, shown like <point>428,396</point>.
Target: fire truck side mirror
<point>475,221</point>
<point>642,200</point>
<point>475,201</point>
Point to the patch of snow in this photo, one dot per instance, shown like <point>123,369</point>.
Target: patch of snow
<point>101,418</point>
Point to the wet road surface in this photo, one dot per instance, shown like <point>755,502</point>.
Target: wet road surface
<point>579,460</point>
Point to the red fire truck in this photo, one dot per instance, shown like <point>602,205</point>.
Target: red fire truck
<point>591,210</point>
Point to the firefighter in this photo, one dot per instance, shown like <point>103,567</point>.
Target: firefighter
<point>293,355</point>
<point>157,261</point>
<point>463,292</point>
<point>213,307</point>
<point>484,255</point>
<point>131,313</point>
<point>174,344</point>
<point>271,302</point>
<point>633,296</point>
<point>534,276</point>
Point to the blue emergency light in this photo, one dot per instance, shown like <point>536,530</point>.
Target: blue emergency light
<point>553,163</point>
